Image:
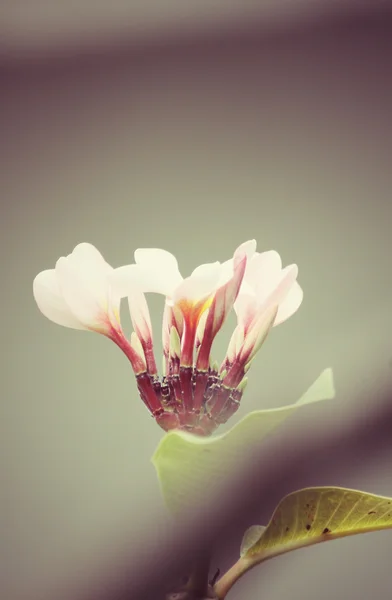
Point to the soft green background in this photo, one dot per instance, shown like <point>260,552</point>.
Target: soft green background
<point>286,139</point>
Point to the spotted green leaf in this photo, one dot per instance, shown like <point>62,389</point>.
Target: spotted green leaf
<point>305,518</point>
<point>315,515</point>
<point>188,466</point>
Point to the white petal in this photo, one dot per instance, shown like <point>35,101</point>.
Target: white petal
<point>202,282</point>
<point>87,253</point>
<point>249,248</point>
<point>129,279</point>
<point>85,302</point>
<point>51,303</point>
<point>90,266</point>
<point>290,304</point>
<point>207,270</point>
<point>126,280</point>
<point>287,278</point>
<point>247,290</point>
<point>263,272</point>
<point>162,263</point>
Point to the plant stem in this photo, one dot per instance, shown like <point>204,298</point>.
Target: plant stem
<point>226,582</point>
<point>198,581</point>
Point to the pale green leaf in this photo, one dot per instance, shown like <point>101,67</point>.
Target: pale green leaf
<point>188,466</point>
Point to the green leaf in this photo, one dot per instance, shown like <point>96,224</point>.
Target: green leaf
<point>315,515</point>
<point>305,518</point>
<point>188,466</point>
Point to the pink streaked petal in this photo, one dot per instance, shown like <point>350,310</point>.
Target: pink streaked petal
<point>113,310</point>
<point>226,272</point>
<point>245,307</point>
<point>239,340</point>
<point>290,304</point>
<point>221,305</point>
<point>256,336</point>
<point>227,294</point>
<point>87,306</point>
<point>246,249</point>
<point>235,344</point>
<point>191,310</point>
<point>140,315</point>
<point>172,317</point>
<point>138,359</point>
<point>177,319</point>
<point>231,350</point>
<point>258,328</point>
<point>201,327</point>
<point>166,324</point>
<point>50,301</point>
<point>160,262</point>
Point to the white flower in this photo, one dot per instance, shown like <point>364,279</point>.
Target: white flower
<point>269,296</point>
<point>212,287</point>
<point>84,292</point>
<point>77,294</point>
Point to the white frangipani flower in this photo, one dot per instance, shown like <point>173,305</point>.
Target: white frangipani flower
<point>77,294</point>
<point>84,292</point>
<point>269,295</point>
<point>156,270</point>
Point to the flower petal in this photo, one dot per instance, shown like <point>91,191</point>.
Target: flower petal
<point>288,275</point>
<point>131,279</point>
<point>263,272</point>
<point>290,304</point>
<point>86,302</point>
<point>257,334</point>
<point>126,280</point>
<point>162,264</point>
<point>247,248</point>
<point>50,301</point>
<point>200,284</point>
<point>87,253</point>
<point>246,307</point>
<point>140,316</point>
<point>91,267</point>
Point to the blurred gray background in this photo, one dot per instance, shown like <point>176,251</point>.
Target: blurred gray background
<point>192,129</point>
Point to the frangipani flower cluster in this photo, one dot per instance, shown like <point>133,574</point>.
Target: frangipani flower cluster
<point>195,393</point>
